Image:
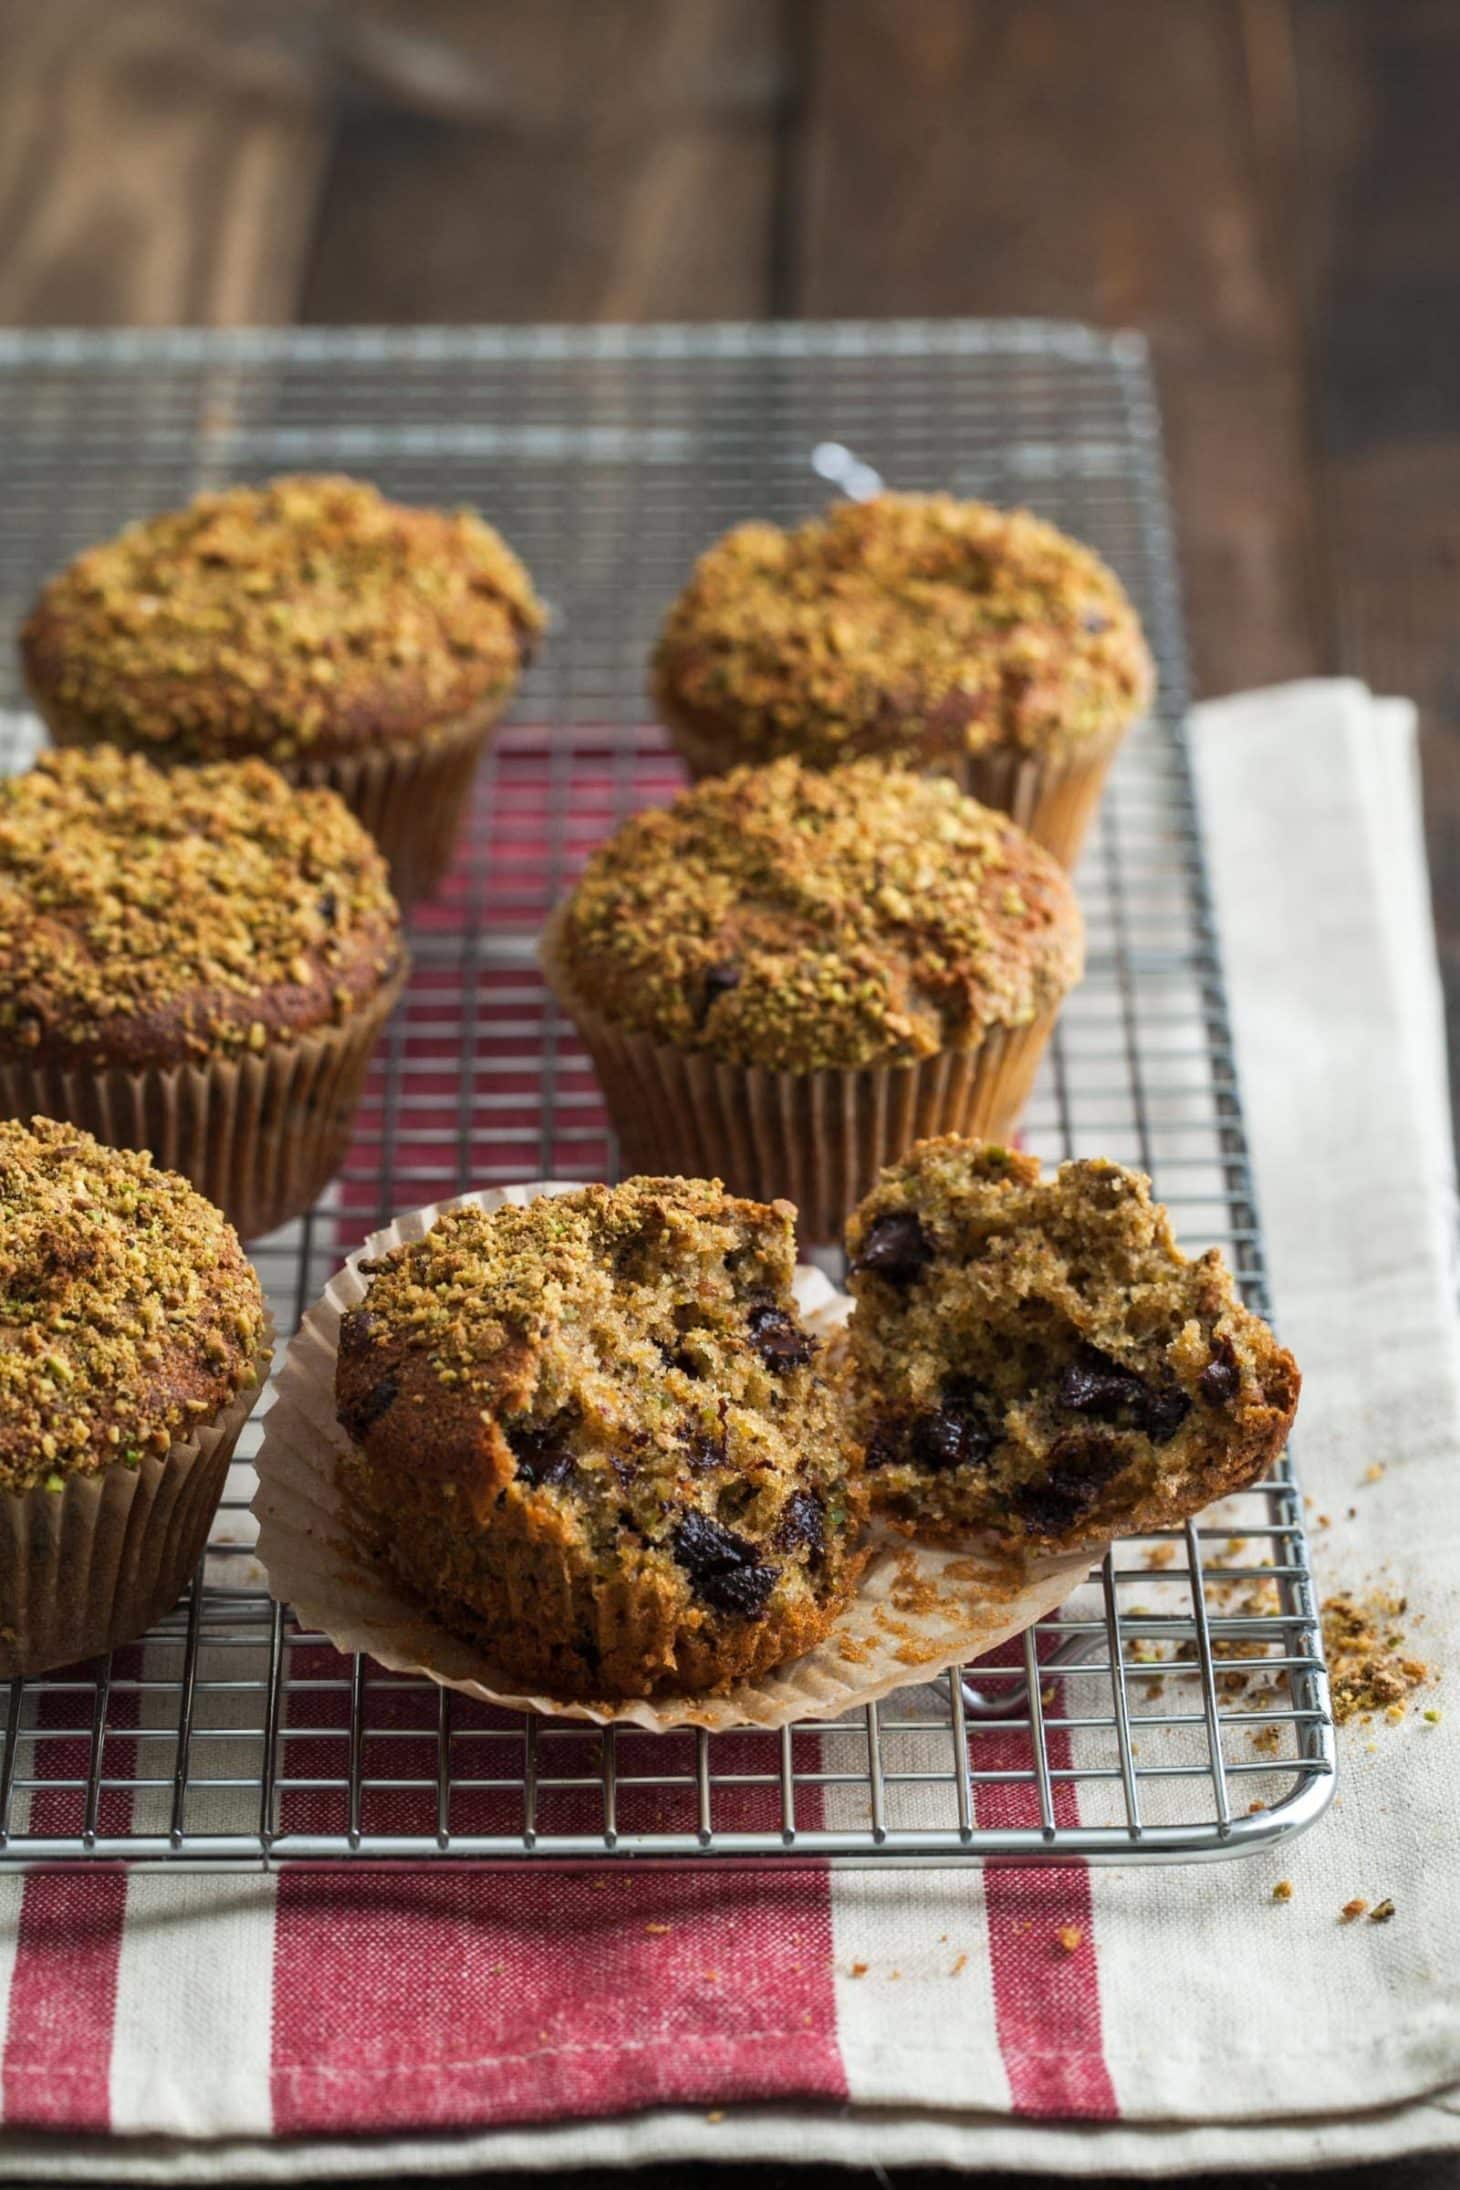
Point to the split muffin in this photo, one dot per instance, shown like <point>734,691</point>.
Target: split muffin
<point>1036,1358</point>
<point>790,975</point>
<point>311,623</point>
<point>590,1435</point>
<point>953,636</point>
<point>133,1340</point>
<point>198,962</point>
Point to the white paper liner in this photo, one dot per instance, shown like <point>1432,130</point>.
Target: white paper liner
<point>918,1609</point>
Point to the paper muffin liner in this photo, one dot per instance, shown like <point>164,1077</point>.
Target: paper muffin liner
<point>92,1565</point>
<point>259,1135</point>
<point>410,793</point>
<point>917,1611</point>
<point>818,1139</point>
<point>1053,796</point>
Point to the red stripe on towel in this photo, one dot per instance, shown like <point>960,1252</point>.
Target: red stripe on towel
<point>63,1992</point>
<point>1046,1986</point>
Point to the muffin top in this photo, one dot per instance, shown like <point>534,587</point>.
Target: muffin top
<point>156,917</point>
<point>911,625</point>
<point>621,1370</point>
<point>796,919</point>
<point>128,1314</point>
<point>308,617</point>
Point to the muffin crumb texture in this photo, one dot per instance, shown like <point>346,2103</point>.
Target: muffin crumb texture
<point>1035,1357</point>
<point>128,1314</point>
<point>305,618</point>
<point>151,917</point>
<point>590,1434</point>
<point>796,920</point>
<point>910,624</point>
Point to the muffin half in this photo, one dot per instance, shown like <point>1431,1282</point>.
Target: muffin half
<point>978,642</point>
<point>198,962</point>
<point>789,975</point>
<point>132,1342</point>
<point>311,623</point>
<point>589,1434</point>
<point>1036,1357</point>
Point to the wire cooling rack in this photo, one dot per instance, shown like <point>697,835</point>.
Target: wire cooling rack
<point>1179,1707</point>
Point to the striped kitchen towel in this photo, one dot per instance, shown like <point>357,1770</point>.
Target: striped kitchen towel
<point>1151,2020</point>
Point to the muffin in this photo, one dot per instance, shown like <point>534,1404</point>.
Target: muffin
<point>789,976</point>
<point>1035,1357</point>
<point>977,642</point>
<point>198,962</point>
<point>590,1435</point>
<point>132,1342</point>
<point>309,623</point>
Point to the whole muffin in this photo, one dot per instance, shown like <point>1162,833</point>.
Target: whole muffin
<point>1037,1358</point>
<point>132,1342</point>
<point>311,623</point>
<point>978,642</point>
<point>198,962</point>
<point>789,975</point>
<point>589,1433</point>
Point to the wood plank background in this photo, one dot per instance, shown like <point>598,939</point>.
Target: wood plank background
<point>1270,188</point>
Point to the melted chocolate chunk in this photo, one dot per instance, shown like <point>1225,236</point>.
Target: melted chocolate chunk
<point>803,1521</point>
<point>1164,1412</point>
<point>329,906</point>
<point>1093,1384</point>
<point>540,1453</point>
<point>363,1413</point>
<point>884,1446</point>
<point>357,1331</point>
<point>777,1338</point>
<point>1221,1379</point>
<point>714,982</point>
<point>896,1247</point>
<point>1077,1470</point>
<point>959,1432</point>
<point>726,1570</point>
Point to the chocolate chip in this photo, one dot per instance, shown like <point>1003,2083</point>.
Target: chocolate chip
<point>896,1247</point>
<point>703,1453</point>
<point>1076,1471</point>
<point>540,1452</point>
<point>1221,1379</point>
<point>803,1521</point>
<point>778,1338</point>
<point>1163,1412</point>
<point>329,906</point>
<point>725,1569</point>
<point>716,981</point>
<point>884,1446</point>
<point>357,1332</point>
<point>359,1417</point>
<point>959,1433</point>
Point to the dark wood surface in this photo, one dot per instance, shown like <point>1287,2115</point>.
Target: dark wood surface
<point>1270,188</point>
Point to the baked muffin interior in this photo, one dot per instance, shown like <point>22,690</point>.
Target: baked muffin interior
<point>597,1407</point>
<point>1036,1357</point>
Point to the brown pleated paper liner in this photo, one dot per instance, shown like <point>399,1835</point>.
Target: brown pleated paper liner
<point>410,793</point>
<point>917,1611</point>
<point>1053,796</point>
<point>259,1135</point>
<point>818,1139</point>
<point>92,1565</point>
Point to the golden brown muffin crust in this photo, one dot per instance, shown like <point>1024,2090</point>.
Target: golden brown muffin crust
<point>310,617</point>
<point>591,1433</point>
<point>1035,1356</point>
<point>911,625</point>
<point>150,917</point>
<point>796,919</point>
<point>128,1315</point>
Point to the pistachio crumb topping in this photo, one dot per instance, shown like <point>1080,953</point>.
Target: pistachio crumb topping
<point>149,917</point>
<point>308,616</point>
<point>909,624</point>
<point>797,920</point>
<point>128,1314</point>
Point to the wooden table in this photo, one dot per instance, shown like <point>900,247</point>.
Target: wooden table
<point>1270,188</point>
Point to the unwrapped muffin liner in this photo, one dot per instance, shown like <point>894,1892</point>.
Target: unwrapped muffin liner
<point>818,1139</point>
<point>917,1611</point>
<point>90,1566</point>
<point>260,1135</point>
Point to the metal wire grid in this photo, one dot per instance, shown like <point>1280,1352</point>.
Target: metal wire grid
<point>1179,1707</point>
